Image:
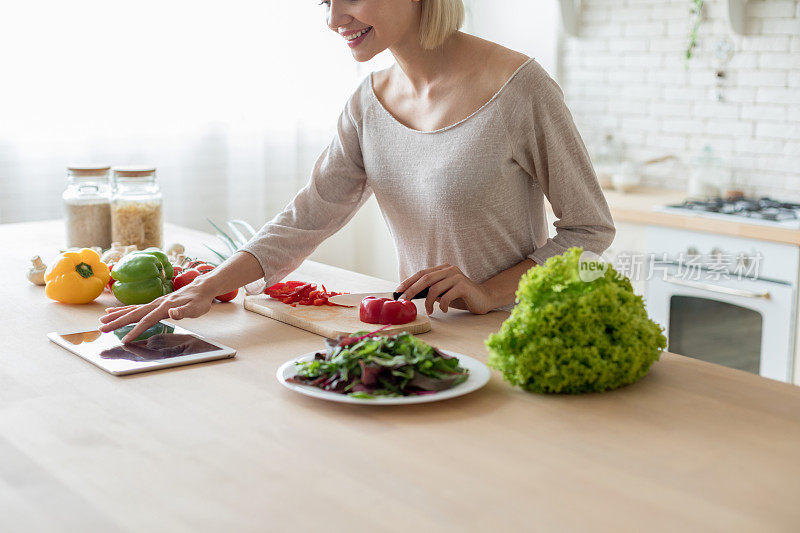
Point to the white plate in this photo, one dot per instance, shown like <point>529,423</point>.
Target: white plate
<point>478,377</point>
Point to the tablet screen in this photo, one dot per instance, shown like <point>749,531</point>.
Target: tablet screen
<point>157,345</point>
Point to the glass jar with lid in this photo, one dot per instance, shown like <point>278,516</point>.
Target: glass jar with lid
<point>87,206</point>
<point>136,208</point>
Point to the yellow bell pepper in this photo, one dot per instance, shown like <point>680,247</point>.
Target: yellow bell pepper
<point>76,277</point>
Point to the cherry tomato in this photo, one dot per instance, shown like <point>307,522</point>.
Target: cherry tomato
<point>111,280</point>
<point>228,296</point>
<point>184,278</point>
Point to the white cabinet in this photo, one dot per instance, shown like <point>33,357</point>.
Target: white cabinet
<point>627,253</point>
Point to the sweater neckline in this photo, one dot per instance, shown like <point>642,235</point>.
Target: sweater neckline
<point>451,126</point>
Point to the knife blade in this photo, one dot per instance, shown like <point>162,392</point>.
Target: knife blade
<point>352,300</point>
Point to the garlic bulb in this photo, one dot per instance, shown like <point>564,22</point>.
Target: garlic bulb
<point>111,256</point>
<point>176,249</point>
<point>37,270</point>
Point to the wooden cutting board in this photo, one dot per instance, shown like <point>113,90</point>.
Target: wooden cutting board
<point>329,321</point>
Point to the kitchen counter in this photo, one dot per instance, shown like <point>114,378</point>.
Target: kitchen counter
<point>637,207</point>
<point>224,447</point>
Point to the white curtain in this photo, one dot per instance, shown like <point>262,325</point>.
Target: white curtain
<point>232,101</point>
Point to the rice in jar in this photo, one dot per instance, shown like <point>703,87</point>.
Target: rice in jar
<point>87,206</point>
<point>136,208</point>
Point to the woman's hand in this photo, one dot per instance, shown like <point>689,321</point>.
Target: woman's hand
<point>450,287</point>
<point>190,301</point>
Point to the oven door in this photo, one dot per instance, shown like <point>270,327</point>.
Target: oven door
<point>745,324</point>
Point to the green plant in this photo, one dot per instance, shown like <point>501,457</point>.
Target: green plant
<point>242,232</point>
<point>696,18</point>
<point>566,335</point>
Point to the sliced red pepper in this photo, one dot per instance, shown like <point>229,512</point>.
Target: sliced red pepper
<point>301,292</point>
<point>298,290</point>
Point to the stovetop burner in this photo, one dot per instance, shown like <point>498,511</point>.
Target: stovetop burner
<point>758,208</point>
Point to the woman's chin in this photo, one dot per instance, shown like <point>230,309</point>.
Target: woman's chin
<point>363,56</point>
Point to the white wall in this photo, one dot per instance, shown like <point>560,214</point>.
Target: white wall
<point>528,26</point>
<point>625,74</point>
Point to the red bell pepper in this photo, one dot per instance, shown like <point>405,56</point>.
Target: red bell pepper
<point>386,311</point>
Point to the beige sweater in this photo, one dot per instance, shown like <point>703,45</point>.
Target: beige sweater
<point>471,194</point>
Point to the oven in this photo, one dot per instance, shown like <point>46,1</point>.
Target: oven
<point>717,305</point>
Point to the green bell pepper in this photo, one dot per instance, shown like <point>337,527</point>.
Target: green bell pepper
<point>159,329</point>
<point>142,277</point>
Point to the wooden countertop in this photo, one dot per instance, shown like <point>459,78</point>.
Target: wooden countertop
<point>223,447</point>
<point>638,208</point>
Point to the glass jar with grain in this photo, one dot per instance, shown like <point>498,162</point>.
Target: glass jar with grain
<point>87,206</point>
<point>136,208</point>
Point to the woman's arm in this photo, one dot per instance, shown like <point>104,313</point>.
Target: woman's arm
<point>336,190</point>
<point>451,288</point>
<point>546,144</point>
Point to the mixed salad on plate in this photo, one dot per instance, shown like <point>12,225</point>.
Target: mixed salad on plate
<point>366,365</point>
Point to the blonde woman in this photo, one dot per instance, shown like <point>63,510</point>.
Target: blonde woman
<point>460,141</point>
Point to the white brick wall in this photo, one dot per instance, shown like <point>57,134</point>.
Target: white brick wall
<point>626,74</point>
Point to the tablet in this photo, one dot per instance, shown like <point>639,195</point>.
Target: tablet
<point>162,346</point>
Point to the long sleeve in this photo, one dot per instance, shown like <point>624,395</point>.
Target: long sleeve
<point>337,189</point>
<point>547,145</point>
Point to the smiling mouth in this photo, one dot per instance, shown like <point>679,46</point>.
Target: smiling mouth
<point>359,34</point>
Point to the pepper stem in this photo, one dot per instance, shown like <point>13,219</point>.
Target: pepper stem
<point>84,270</point>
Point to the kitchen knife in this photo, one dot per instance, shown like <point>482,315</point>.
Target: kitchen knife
<point>353,300</point>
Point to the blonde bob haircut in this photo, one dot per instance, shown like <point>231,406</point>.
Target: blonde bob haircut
<point>440,19</point>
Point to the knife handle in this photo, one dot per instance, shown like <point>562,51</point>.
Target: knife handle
<point>421,294</point>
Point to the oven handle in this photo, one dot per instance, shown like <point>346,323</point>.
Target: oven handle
<point>715,288</point>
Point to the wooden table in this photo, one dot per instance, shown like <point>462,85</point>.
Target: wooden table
<point>223,447</point>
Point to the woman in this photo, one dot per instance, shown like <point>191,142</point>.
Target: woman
<point>460,141</point>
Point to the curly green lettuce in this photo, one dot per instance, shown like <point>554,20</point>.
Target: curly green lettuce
<point>566,335</point>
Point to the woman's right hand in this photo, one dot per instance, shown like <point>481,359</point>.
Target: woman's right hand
<point>190,301</point>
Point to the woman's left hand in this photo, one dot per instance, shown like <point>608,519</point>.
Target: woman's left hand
<point>450,287</point>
